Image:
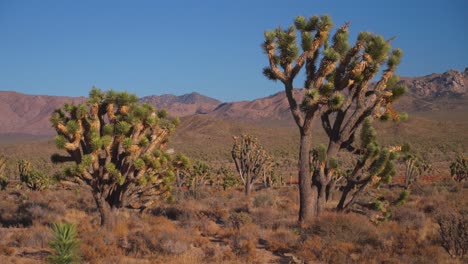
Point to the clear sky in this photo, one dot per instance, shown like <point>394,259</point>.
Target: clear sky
<point>65,47</point>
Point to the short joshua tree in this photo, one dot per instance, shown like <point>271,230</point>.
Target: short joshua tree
<point>117,148</point>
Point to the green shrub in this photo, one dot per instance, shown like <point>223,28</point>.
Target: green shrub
<point>403,198</point>
<point>377,206</point>
<point>36,180</point>
<point>65,245</point>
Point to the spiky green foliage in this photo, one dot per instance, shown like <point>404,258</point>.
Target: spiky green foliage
<point>338,88</point>
<point>198,176</point>
<point>65,244</point>
<point>415,165</point>
<point>4,181</point>
<point>33,179</point>
<point>403,198</point>
<point>250,159</point>
<point>229,179</point>
<point>116,147</point>
<point>459,169</point>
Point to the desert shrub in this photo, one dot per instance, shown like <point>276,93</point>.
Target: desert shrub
<point>309,248</point>
<point>454,232</point>
<point>447,185</point>
<point>196,193</point>
<point>159,235</point>
<point>35,237</point>
<point>65,245</point>
<point>409,217</point>
<point>377,205</point>
<point>208,227</point>
<point>349,228</point>
<point>266,217</point>
<point>4,181</point>
<point>402,198</point>
<point>281,240</point>
<point>7,251</point>
<point>238,219</point>
<point>263,199</point>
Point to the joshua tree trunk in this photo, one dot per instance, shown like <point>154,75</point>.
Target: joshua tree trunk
<point>307,192</point>
<point>344,196</point>
<point>103,207</point>
<point>248,187</point>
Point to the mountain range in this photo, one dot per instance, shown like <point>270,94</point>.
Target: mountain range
<point>29,114</point>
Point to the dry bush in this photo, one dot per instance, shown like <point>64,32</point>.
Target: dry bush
<point>239,219</point>
<point>98,243</point>
<point>7,251</point>
<point>159,235</point>
<point>266,217</point>
<point>208,227</point>
<point>264,199</point>
<point>281,240</point>
<point>347,228</point>
<point>36,237</point>
<point>310,248</point>
<point>409,217</point>
<point>454,232</point>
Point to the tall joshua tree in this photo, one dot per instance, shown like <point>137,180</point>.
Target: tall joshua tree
<point>117,149</point>
<point>250,159</point>
<point>338,89</point>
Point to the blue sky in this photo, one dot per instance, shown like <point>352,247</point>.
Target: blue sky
<point>65,47</point>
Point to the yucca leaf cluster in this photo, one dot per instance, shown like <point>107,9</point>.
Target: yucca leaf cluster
<point>117,146</point>
<point>65,244</point>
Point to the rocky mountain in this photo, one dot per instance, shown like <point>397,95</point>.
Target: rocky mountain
<point>427,93</point>
<point>29,114</point>
<point>273,107</point>
<point>183,105</point>
<point>451,83</point>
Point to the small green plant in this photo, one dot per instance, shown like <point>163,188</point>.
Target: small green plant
<point>65,245</point>
<point>228,178</point>
<point>34,180</point>
<point>3,178</point>
<point>377,206</point>
<point>403,197</point>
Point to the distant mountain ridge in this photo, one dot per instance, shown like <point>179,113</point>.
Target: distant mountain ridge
<point>183,105</point>
<point>29,114</point>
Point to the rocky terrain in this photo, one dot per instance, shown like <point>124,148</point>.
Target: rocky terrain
<point>29,114</point>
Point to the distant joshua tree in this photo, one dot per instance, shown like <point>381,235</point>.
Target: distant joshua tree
<point>251,160</point>
<point>339,91</point>
<point>459,169</point>
<point>117,148</point>
<point>4,181</point>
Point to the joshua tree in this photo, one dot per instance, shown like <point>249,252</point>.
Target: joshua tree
<point>34,180</point>
<point>338,89</point>
<point>250,159</point>
<point>198,175</point>
<point>228,178</point>
<point>459,169</point>
<point>181,165</point>
<point>117,149</point>
<point>3,177</point>
<point>414,165</point>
